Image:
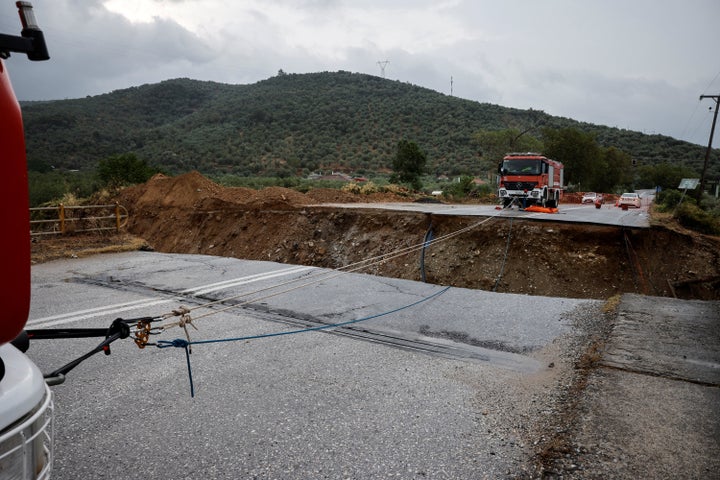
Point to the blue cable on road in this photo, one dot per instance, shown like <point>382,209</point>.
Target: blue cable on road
<point>182,343</point>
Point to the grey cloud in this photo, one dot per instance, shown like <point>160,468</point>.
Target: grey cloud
<point>93,51</point>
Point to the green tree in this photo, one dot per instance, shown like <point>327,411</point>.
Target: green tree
<point>124,169</point>
<point>664,175</point>
<point>494,144</point>
<point>409,164</point>
<point>614,169</point>
<point>50,187</point>
<point>579,153</point>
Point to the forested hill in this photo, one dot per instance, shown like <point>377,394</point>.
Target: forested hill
<point>293,124</point>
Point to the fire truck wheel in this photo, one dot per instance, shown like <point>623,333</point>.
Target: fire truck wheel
<point>553,203</point>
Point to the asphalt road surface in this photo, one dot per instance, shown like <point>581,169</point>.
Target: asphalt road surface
<point>608,214</point>
<point>426,383</point>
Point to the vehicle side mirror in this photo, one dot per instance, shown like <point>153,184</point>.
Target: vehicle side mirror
<point>31,40</point>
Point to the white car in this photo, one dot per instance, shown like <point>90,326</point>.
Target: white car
<point>589,197</point>
<point>629,199</point>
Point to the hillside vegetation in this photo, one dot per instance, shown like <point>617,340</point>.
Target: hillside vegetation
<point>294,124</point>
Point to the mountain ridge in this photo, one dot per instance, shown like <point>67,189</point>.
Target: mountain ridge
<point>293,124</point>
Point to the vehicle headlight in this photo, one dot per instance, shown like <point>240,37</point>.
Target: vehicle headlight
<point>26,447</point>
<point>535,193</point>
<point>502,192</point>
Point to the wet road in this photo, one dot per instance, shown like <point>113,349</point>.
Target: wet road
<point>426,384</point>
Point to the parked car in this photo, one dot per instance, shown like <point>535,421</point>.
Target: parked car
<point>629,199</point>
<point>589,197</point>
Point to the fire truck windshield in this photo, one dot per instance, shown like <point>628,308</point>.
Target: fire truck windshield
<point>522,167</point>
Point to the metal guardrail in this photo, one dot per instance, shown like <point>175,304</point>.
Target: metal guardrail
<point>70,219</point>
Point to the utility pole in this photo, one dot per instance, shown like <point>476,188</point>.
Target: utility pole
<point>451,85</point>
<point>716,98</point>
<point>383,64</point>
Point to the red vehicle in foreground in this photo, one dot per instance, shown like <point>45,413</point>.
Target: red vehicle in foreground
<point>26,404</point>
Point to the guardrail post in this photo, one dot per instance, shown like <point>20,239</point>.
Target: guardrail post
<point>61,216</point>
<point>117,217</point>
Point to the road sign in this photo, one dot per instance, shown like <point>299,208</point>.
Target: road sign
<point>689,183</point>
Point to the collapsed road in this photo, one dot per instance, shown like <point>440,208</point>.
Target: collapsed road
<point>513,372</point>
<point>513,253</point>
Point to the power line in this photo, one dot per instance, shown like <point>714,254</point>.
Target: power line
<point>686,134</point>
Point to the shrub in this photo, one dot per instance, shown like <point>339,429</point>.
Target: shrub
<point>396,189</point>
<point>369,188</point>
<point>351,188</point>
<point>693,217</point>
<point>461,188</point>
<point>667,200</point>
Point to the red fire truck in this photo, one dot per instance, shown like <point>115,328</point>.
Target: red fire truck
<point>530,179</point>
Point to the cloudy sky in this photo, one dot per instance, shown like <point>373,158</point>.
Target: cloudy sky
<point>634,64</point>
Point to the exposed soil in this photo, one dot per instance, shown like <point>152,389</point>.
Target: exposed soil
<point>191,214</point>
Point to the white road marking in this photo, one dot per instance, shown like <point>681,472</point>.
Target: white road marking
<point>78,315</point>
<point>213,287</point>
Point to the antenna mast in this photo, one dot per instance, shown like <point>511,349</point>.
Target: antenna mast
<point>383,64</point>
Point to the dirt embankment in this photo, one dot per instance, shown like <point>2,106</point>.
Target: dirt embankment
<point>191,214</point>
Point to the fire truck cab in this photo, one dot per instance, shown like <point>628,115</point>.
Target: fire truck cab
<point>530,179</point>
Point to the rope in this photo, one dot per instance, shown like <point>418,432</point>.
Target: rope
<point>320,277</point>
<point>166,343</point>
<point>182,343</point>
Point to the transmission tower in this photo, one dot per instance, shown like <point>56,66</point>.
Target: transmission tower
<point>383,64</point>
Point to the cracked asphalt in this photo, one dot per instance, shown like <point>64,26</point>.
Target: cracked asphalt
<point>404,395</point>
<point>468,384</point>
